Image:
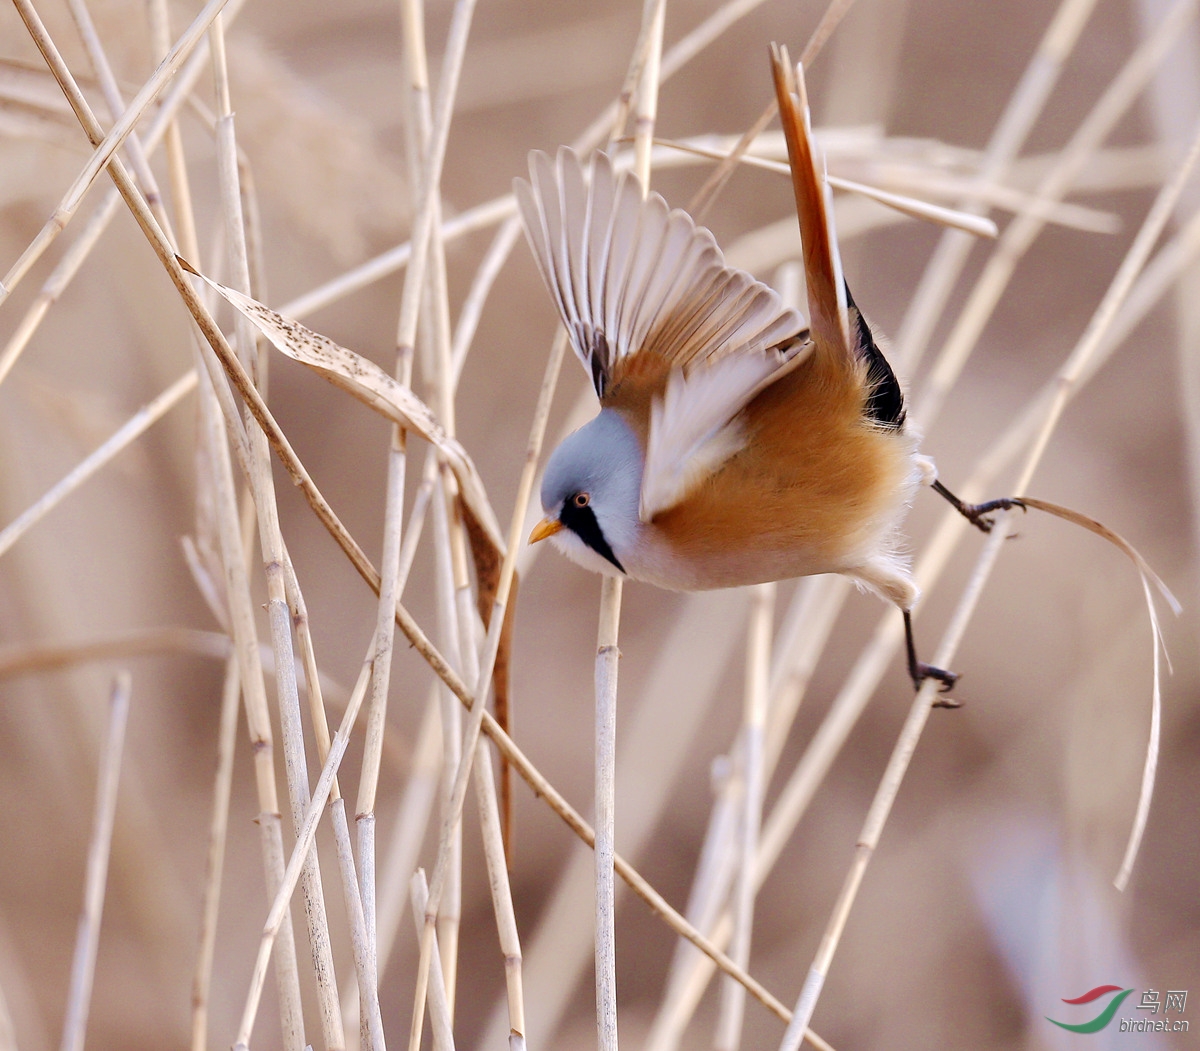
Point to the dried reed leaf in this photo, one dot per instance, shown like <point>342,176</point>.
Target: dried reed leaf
<point>489,559</point>
<point>1148,577</point>
<point>372,386</point>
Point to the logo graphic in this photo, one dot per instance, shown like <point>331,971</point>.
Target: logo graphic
<point>1104,1017</point>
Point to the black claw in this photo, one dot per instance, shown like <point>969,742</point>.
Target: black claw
<point>946,678</point>
<point>979,515</point>
<point>928,671</point>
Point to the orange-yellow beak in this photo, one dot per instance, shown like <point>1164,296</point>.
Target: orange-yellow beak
<point>546,527</point>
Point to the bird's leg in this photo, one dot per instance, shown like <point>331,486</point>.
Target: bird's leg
<point>978,514</point>
<point>920,671</point>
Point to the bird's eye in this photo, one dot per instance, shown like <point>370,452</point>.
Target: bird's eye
<point>581,499</point>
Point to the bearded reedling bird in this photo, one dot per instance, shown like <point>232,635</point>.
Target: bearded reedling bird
<point>736,443</point>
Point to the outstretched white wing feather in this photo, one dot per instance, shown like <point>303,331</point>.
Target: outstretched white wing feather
<point>629,275</point>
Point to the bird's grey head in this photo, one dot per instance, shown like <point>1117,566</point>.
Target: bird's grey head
<point>590,489</point>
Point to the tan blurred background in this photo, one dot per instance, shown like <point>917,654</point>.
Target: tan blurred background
<point>990,898</point>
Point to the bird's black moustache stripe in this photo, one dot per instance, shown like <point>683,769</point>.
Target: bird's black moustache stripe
<point>582,522</point>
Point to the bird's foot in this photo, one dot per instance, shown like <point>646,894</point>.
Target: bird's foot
<point>923,671</point>
<point>980,515</point>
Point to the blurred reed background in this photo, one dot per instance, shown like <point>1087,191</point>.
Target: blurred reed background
<point>990,897</point>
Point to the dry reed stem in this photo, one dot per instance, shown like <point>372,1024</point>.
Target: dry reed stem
<point>441,1026</point>
<point>66,269</point>
<point>1121,93</point>
<point>481,285</point>
<point>429,133</point>
<point>234,554</point>
<point>1021,112</point>
<point>607,654</point>
<point>455,600</point>
<point>107,145</point>
<point>305,835</point>
<point>450,905</point>
<point>913,207</point>
<point>650,28</point>
<point>416,521</point>
<point>87,942</point>
<point>364,958</point>
<point>227,733</point>
<point>704,197</point>
<point>607,658</point>
<point>479,716</point>
<point>274,558</point>
<point>408,830</point>
<point>126,435</point>
<point>501,893</point>
<point>112,97</point>
<point>393,527</point>
<point>237,589</point>
<point>753,785</point>
<point>365,966</point>
<point>214,866</point>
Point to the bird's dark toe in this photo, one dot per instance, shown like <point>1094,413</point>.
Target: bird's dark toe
<point>981,515</point>
<point>946,678</point>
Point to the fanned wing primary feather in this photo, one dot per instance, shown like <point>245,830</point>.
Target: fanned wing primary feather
<point>630,276</point>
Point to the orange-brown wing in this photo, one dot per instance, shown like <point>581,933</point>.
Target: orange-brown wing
<point>631,277</point>
<point>822,264</point>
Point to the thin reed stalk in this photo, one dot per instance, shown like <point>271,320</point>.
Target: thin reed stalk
<point>274,559</point>
<point>87,942</point>
<point>126,435</point>
<point>214,868</point>
<point>752,776</point>
<point>107,145</point>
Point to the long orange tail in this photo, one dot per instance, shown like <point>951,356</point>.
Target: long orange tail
<point>822,265</point>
